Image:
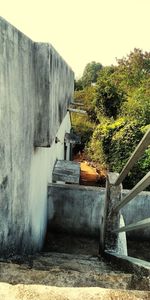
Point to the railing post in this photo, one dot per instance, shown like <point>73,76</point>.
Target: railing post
<point>109,240</point>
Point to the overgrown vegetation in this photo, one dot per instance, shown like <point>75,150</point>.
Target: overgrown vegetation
<point>118,107</point>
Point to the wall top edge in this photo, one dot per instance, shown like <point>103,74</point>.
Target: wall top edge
<point>10,32</point>
<point>76,187</point>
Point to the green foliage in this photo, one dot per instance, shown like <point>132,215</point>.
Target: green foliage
<point>90,73</point>
<point>137,105</point>
<point>134,68</point>
<point>109,96</point>
<point>118,114</point>
<point>103,134</point>
<point>94,151</point>
<point>86,97</point>
<point>123,142</point>
<point>113,143</point>
<point>78,85</point>
<point>83,127</point>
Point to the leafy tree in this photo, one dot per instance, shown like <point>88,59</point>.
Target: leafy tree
<point>118,114</point>
<point>123,143</point>
<point>78,85</point>
<point>90,73</point>
<point>134,68</point>
<point>87,96</point>
<point>109,96</point>
<point>112,144</point>
<point>137,106</point>
<point>84,125</point>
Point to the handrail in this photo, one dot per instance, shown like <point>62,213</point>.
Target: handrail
<point>135,156</point>
<point>77,103</point>
<point>79,111</point>
<point>139,187</point>
<point>111,220</point>
<point>138,225</point>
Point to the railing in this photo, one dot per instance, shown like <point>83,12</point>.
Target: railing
<point>110,227</point>
<point>135,156</point>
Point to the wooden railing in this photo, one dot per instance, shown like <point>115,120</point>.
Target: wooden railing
<point>110,227</point>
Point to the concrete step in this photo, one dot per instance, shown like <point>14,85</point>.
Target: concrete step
<point>67,270</point>
<point>63,270</point>
<point>42,292</point>
<point>64,276</point>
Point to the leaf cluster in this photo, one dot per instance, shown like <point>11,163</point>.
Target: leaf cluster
<point>118,114</point>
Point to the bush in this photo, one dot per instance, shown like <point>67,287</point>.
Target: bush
<point>113,143</point>
<point>82,127</point>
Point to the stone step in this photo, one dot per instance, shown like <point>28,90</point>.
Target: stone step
<point>42,292</point>
<point>55,276</point>
<point>66,270</point>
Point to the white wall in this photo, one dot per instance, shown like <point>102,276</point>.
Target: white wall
<point>42,163</point>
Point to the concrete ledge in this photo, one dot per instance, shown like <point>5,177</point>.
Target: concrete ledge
<point>76,187</point>
<point>130,264</point>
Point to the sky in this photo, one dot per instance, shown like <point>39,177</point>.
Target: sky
<point>83,30</point>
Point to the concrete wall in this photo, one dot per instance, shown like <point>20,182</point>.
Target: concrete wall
<point>42,163</point>
<point>76,209</point>
<point>36,86</point>
<point>79,209</point>
<point>54,83</point>
<point>136,210</point>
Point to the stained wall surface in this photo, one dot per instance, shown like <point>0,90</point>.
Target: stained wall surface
<point>79,209</point>
<point>76,209</point>
<point>36,86</point>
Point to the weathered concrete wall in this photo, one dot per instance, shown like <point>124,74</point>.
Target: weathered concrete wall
<point>79,209</point>
<point>33,103</point>
<point>136,210</point>
<point>54,83</point>
<point>76,209</point>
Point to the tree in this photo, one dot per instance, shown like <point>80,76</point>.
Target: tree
<point>109,96</point>
<point>86,97</point>
<point>137,106</point>
<point>78,85</point>
<point>123,109</point>
<point>118,107</point>
<point>134,68</point>
<point>84,125</point>
<point>90,73</point>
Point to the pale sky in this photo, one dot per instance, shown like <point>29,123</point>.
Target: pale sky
<point>83,30</point>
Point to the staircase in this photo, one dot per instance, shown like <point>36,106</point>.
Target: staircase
<point>78,274</point>
<point>70,265</point>
<point>65,270</point>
